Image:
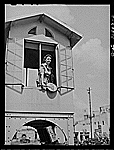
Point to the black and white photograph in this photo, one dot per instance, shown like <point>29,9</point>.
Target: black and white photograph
<point>57,74</point>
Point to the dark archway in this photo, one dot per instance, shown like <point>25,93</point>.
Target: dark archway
<point>38,124</point>
<point>45,132</point>
<point>41,127</point>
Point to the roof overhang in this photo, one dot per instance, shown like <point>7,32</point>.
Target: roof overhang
<point>42,38</point>
<point>73,36</point>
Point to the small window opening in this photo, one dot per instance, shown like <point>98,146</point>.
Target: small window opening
<point>32,31</point>
<point>48,33</point>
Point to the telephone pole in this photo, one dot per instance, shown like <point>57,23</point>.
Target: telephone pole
<point>90,111</point>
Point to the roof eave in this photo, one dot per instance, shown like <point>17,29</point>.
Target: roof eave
<point>71,34</point>
<point>77,37</point>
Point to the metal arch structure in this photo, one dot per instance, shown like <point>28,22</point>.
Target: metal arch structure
<point>61,119</point>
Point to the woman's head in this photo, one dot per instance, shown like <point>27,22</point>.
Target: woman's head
<point>47,59</point>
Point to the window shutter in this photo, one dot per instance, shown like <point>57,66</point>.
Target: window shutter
<point>66,70</point>
<point>13,65</point>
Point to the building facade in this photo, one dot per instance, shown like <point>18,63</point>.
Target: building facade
<point>28,40</point>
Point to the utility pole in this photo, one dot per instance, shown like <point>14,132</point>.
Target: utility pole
<point>90,111</point>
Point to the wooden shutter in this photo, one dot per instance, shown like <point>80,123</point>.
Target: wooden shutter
<point>66,70</point>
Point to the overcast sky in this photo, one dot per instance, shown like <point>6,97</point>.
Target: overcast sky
<point>91,55</point>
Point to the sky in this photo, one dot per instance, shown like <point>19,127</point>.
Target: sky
<point>90,56</point>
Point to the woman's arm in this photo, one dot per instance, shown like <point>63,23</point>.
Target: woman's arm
<point>42,74</point>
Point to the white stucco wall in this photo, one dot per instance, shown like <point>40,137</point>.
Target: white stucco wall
<point>33,99</point>
<point>21,31</point>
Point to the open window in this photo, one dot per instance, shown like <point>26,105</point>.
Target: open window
<point>34,53</point>
<point>50,49</point>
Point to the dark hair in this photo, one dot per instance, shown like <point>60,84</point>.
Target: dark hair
<point>23,135</point>
<point>48,55</point>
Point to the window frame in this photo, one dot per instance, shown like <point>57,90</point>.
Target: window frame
<point>40,44</point>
